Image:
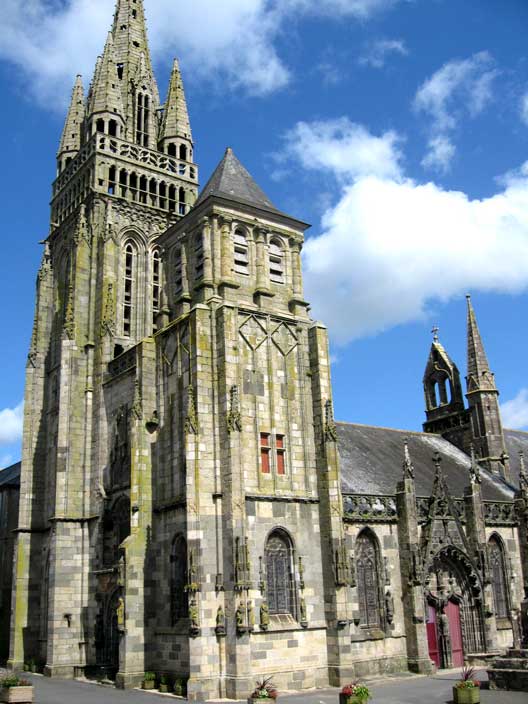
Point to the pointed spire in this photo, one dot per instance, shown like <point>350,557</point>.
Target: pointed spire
<point>479,375</point>
<point>131,42</point>
<point>105,94</point>
<point>408,468</point>
<point>176,117</point>
<point>71,134</point>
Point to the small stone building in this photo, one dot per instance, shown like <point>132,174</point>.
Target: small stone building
<point>189,505</point>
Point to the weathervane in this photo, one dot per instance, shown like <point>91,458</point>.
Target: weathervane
<point>435,332</point>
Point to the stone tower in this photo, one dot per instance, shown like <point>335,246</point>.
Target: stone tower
<point>483,399</point>
<point>125,172</point>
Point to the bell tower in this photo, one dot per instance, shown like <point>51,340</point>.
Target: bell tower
<point>119,185</point>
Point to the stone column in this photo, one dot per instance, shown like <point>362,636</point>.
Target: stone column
<point>226,249</point>
<point>262,261</point>
<point>296,270</point>
<point>412,573</point>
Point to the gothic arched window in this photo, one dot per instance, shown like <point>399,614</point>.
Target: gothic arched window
<point>116,527</point>
<point>498,577</point>
<point>276,261</point>
<point>241,257</point>
<point>129,271</point>
<point>156,286</point>
<point>368,582</point>
<point>279,574</point>
<point>179,605</point>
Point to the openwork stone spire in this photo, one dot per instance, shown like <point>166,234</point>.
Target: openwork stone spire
<point>408,468</point>
<point>105,95</point>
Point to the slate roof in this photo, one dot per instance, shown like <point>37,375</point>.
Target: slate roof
<point>231,180</point>
<point>516,440</point>
<point>371,463</point>
<point>10,476</point>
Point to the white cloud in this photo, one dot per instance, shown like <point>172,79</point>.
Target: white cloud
<point>458,89</point>
<point>390,246</point>
<point>524,109</point>
<point>344,148</point>
<point>440,153</point>
<point>515,412</point>
<point>11,424</point>
<point>376,53</point>
<point>230,43</point>
<point>6,461</point>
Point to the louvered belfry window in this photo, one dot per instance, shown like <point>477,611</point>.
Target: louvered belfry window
<point>368,581</point>
<point>279,575</point>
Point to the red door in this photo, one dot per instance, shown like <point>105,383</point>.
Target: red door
<point>453,614</point>
<point>432,637</point>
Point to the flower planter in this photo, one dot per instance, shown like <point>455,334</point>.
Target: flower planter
<point>149,684</point>
<point>20,695</point>
<point>164,688</point>
<point>351,699</point>
<point>261,700</point>
<point>466,695</point>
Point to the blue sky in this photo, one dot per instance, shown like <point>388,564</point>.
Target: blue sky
<point>398,128</point>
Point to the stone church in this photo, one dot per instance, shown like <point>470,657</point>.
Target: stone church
<point>188,505</point>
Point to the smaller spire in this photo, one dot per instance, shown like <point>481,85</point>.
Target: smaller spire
<point>71,134</point>
<point>176,116</point>
<point>479,374</point>
<point>408,468</point>
<point>437,461</point>
<point>105,93</point>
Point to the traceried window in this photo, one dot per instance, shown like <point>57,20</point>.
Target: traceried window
<point>498,578</point>
<point>182,207</point>
<point>276,261</point>
<point>128,288</point>
<point>156,287</point>
<point>177,270</point>
<point>179,605</point>
<point>279,574</point>
<point>143,117</point>
<point>241,253</point>
<point>368,584</point>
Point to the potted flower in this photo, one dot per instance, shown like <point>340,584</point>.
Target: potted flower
<point>354,693</point>
<point>264,691</point>
<point>13,689</point>
<point>467,689</point>
<point>149,680</point>
<point>164,684</point>
<point>179,687</point>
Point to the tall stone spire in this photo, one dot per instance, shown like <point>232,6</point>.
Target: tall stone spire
<point>479,376</point>
<point>176,117</point>
<point>132,53</point>
<point>71,135</point>
<point>105,95</point>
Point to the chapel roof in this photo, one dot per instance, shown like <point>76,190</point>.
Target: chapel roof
<point>516,441</point>
<point>10,476</point>
<point>371,463</point>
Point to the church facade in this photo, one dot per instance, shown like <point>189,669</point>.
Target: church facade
<point>188,503</point>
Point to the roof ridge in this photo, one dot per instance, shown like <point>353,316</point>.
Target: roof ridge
<point>383,427</point>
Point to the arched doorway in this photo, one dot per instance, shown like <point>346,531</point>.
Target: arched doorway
<point>107,636</point>
<point>455,624</point>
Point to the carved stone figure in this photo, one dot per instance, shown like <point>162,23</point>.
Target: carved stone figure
<point>304,616</point>
<point>194,618</point>
<point>120,611</point>
<point>240,618</point>
<point>264,616</point>
<point>220,622</point>
<point>251,616</point>
<point>389,607</point>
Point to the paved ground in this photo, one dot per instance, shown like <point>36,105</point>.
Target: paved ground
<point>404,690</point>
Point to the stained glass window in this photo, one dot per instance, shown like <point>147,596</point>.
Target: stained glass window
<point>178,595</point>
<point>368,584</point>
<point>279,574</point>
<point>498,578</point>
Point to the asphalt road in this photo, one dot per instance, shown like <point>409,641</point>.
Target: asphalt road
<point>402,690</point>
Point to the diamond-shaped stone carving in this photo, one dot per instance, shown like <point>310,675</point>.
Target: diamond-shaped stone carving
<point>284,339</point>
<point>253,332</point>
